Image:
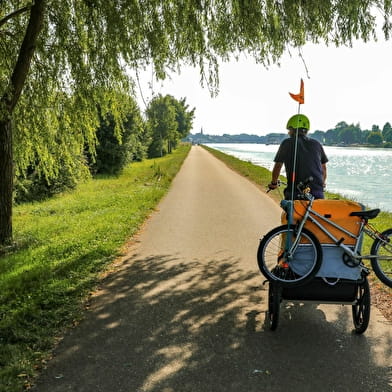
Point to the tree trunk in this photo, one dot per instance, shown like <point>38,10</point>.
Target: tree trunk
<point>6,182</point>
<point>7,104</point>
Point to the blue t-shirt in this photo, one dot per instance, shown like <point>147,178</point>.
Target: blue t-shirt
<point>310,157</point>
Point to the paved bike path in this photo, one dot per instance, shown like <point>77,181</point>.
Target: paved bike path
<point>185,308</point>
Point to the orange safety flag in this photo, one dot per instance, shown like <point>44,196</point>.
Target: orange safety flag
<point>301,96</point>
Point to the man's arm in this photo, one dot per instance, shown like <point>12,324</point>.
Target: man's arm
<point>275,175</point>
<point>324,169</point>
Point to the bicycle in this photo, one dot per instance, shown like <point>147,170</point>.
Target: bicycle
<point>291,254</point>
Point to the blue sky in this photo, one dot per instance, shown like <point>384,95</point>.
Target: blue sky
<point>341,84</point>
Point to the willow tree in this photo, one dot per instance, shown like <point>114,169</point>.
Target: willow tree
<point>59,60</point>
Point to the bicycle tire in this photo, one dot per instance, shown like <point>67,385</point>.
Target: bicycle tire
<point>361,308</point>
<point>305,263</point>
<point>382,268</point>
<point>274,299</point>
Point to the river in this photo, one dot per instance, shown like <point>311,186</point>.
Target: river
<point>359,173</point>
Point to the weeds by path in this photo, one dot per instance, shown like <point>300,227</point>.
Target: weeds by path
<point>61,247</point>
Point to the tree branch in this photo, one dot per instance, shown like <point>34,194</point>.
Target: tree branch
<point>14,14</point>
<point>26,53</point>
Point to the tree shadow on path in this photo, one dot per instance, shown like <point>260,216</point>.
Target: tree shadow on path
<point>162,324</point>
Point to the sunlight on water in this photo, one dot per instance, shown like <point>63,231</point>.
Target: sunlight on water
<point>361,174</point>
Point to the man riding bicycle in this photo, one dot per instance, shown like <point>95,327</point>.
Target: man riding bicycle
<point>310,159</point>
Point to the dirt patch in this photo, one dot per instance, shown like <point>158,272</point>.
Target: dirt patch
<point>381,297</point>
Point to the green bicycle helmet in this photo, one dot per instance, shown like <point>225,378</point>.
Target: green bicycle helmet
<point>298,121</point>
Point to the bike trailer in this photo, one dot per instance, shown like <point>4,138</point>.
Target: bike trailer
<point>336,281</point>
<point>333,264</point>
<point>338,211</point>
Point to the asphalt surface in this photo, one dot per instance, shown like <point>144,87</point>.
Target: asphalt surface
<point>184,310</point>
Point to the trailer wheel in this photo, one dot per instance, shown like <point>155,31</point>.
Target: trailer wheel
<point>274,299</point>
<point>361,308</point>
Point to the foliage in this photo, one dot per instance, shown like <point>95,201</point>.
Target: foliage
<point>375,138</point>
<point>62,247</point>
<point>80,54</point>
<point>35,186</point>
<point>161,120</point>
<point>114,151</point>
<point>61,60</point>
<point>345,134</point>
<point>168,121</point>
<point>184,116</point>
<point>387,132</point>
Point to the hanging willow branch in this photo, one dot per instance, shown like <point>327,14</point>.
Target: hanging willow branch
<point>14,14</point>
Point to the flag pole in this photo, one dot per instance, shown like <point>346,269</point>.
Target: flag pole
<point>293,175</point>
<point>300,98</point>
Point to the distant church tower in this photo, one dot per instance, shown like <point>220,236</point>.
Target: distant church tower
<point>201,130</point>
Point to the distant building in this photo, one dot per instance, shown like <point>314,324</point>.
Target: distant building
<point>201,138</point>
<point>275,138</point>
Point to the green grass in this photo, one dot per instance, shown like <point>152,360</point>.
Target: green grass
<point>257,174</point>
<point>62,246</point>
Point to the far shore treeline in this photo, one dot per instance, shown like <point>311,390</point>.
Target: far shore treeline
<point>342,135</point>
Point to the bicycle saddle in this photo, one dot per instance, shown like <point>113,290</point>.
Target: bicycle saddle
<point>369,214</point>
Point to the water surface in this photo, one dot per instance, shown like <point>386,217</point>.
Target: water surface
<point>359,173</point>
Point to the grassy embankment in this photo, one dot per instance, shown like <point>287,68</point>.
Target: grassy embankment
<point>261,176</point>
<point>62,247</point>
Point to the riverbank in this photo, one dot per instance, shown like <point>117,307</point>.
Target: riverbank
<point>358,174</point>
<point>381,294</point>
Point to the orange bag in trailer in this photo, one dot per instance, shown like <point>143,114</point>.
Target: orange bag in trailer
<point>338,211</point>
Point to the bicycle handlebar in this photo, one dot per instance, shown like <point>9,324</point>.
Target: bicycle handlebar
<point>279,183</point>
<point>303,187</point>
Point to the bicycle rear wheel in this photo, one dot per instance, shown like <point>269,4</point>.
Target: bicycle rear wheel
<point>361,308</point>
<point>383,247</point>
<point>274,299</point>
<point>296,270</point>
